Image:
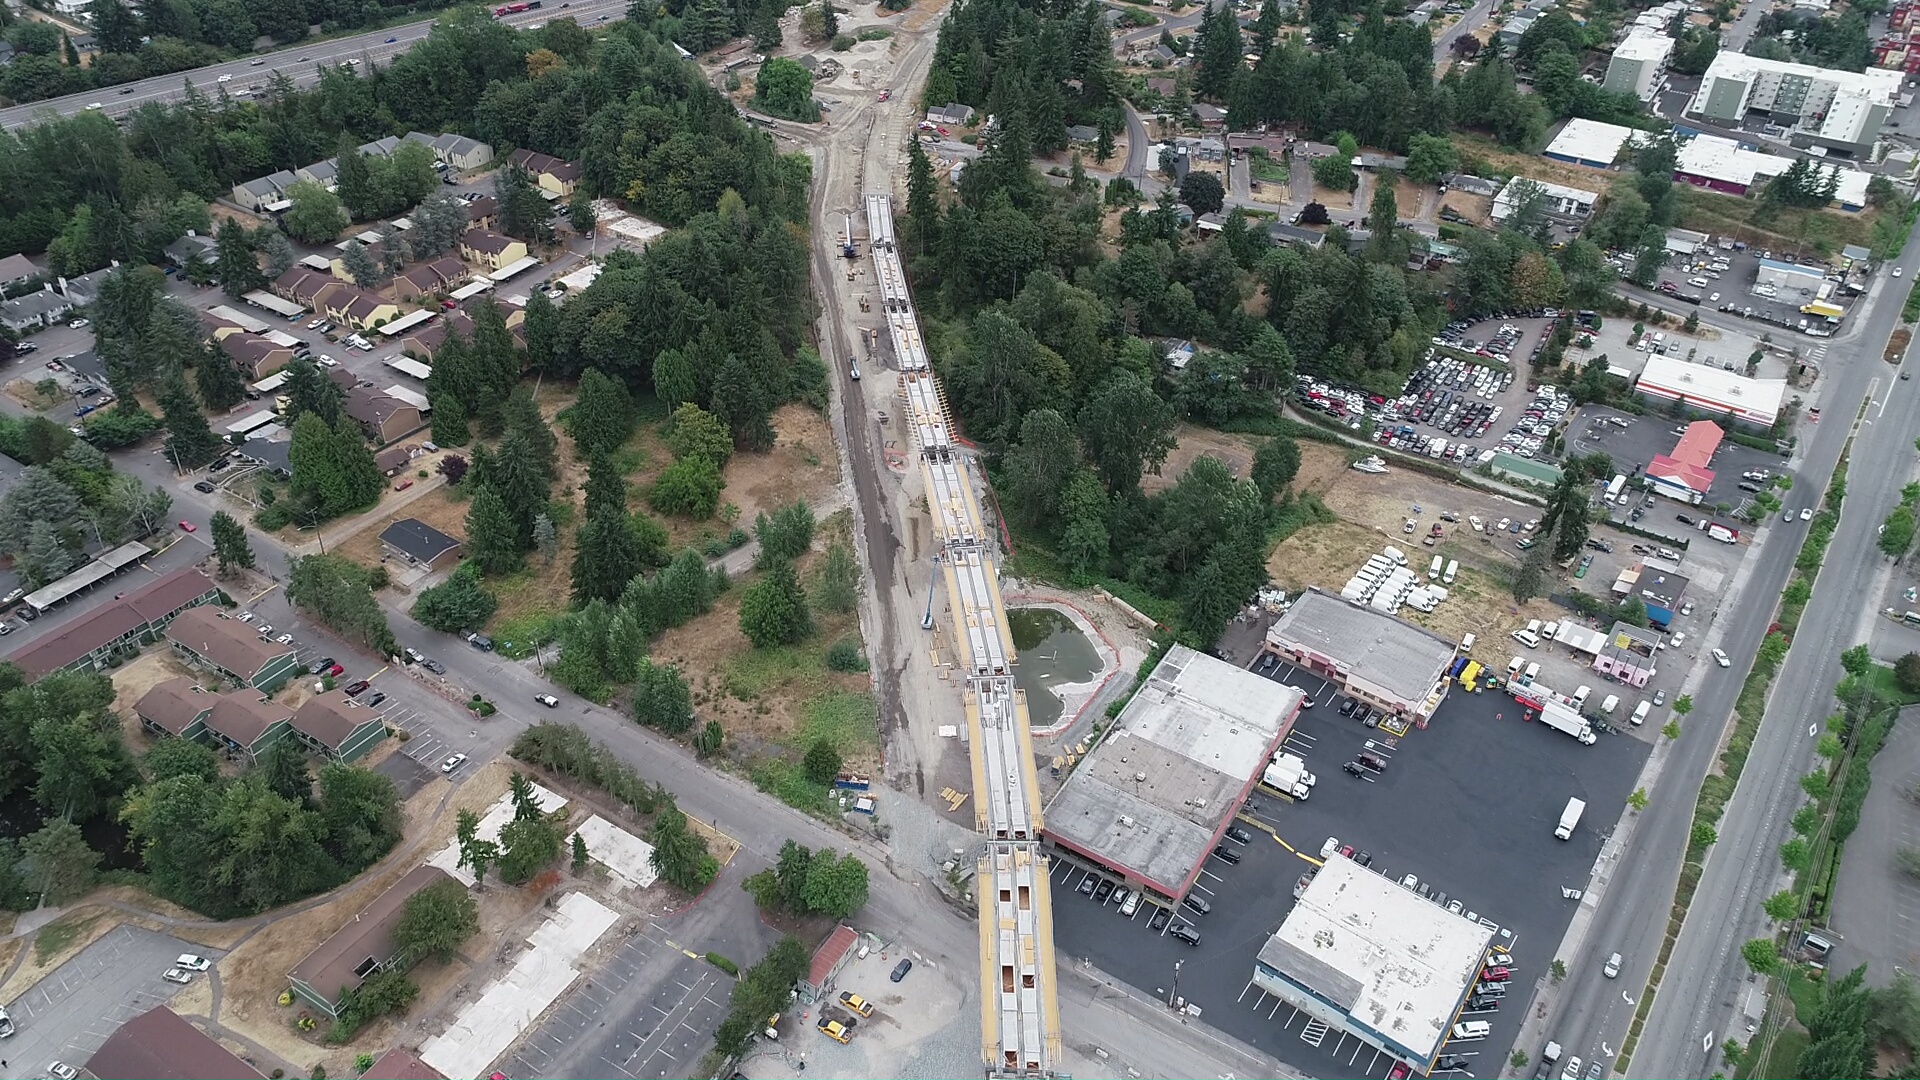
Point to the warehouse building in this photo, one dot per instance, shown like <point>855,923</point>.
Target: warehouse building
<point>1713,391</point>
<point>1157,793</point>
<point>1375,961</point>
<point>1379,660</point>
<point>1589,142</point>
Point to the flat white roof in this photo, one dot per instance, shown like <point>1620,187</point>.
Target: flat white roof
<point>1152,797</point>
<point>1715,158</point>
<point>1399,965</point>
<point>412,397</point>
<point>1876,84</point>
<point>271,383</point>
<point>1589,140</point>
<point>281,337</point>
<point>407,322</point>
<point>515,268</point>
<point>406,365</point>
<point>238,318</point>
<point>1750,399</point>
<point>1503,202</point>
<point>261,298</point>
<point>1654,47</point>
<point>581,278</point>
<point>249,422</point>
<point>475,289</point>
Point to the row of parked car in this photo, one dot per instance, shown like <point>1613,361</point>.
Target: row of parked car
<point>1127,901</point>
<point>1498,345</point>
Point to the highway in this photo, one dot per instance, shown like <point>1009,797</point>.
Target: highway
<point>1706,975</point>
<point>300,63</point>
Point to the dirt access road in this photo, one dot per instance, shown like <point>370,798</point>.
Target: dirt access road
<point>863,150</point>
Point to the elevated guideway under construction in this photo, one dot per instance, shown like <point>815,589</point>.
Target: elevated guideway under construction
<point>1020,1019</point>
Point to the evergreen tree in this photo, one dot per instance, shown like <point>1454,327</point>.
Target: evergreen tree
<point>606,557</point>
<point>525,422</point>
<point>923,213</point>
<point>310,391</point>
<point>773,610</point>
<point>450,424</point>
<point>602,416</point>
<point>491,538</point>
<point>235,265</point>
<point>230,542</point>
<point>191,443</point>
<point>218,380</point>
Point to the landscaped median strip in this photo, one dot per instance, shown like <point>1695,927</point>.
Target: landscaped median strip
<point>1716,790</point>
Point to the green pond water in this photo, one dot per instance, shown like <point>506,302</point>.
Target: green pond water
<point>1052,652</point>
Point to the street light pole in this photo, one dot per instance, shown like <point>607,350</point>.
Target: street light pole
<point>1174,993</point>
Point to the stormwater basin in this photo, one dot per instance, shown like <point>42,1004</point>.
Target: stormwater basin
<point>1052,652</point>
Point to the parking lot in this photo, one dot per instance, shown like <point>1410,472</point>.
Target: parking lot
<point>927,1025</point>
<point>69,1013</point>
<point>1733,287</point>
<point>1634,446</point>
<point>1467,805</point>
<point>602,1028</point>
<point>1467,404</point>
<point>1726,349</point>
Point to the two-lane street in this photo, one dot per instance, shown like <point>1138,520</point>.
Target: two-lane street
<point>1706,974</point>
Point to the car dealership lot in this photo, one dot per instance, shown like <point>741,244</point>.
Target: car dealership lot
<point>1467,806</point>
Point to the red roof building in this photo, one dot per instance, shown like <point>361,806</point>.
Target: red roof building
<point>1684,474</point>
<point>828,959</point>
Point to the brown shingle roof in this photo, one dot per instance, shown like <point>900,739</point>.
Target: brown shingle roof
<point>244,716</point>
<point>114,621</point>
<point>302,283</point>
<point>371,406</point>
<point>393,457</point>
<point>537,163</point>
<point>482,208</point>
<point>485,240</point>
<point>233,645</point>
<point>159,1045</point>
<point>330,717</point>
<point>365,305</point>
<point>335,965</point>
<point>174,704</point>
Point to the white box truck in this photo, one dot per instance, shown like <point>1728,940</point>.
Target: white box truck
<point>1288,774</point>
<point>1569,818</point>
<point>1560,718</point>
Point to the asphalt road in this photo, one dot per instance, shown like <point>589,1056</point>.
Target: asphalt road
<point>1466,24</point>
<point>1706,973</point>
<point>300,62</point>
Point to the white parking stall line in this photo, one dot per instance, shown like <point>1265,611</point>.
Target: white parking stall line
<point>1292,1015</point>
<point>1243,993</point>
<point>1275,1011</point>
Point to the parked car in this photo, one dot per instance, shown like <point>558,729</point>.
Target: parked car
<point>548,700</point>
<point>1239,835</point>
<point>204,488</point>
<point>900,970</point>
<point>453,763</point>
<point>1225,853</point>
<point>188,526</point>
<point>355,689</point>
<point>320,665</point>
<point>1185,932</point>
<point>175,975</point>
<point>190,962</point>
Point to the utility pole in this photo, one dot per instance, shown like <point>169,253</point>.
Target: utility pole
<point>1173,994</point>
